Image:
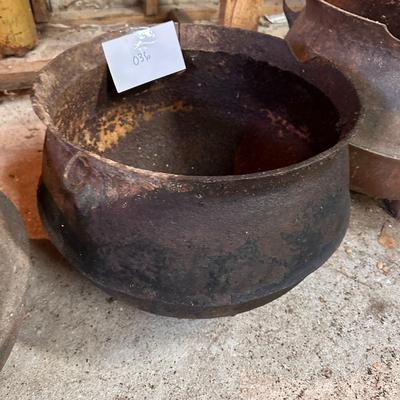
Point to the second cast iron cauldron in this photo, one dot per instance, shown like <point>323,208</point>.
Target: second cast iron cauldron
<point>206,193</point>
<point>362,38</point>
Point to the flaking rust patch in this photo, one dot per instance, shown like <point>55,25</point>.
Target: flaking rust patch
<point>110,137</point>
<point>110,129</point>
<point>88,139</point>
<point>117,123</point>
<point>178,106</point>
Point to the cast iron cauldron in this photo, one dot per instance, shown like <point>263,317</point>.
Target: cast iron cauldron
<point>206,193</point>
<point>363,39</point>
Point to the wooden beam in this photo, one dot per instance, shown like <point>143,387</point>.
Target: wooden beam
<point>179,15</point>
<point>240,13</point>
<point>132,15</point>
<point>41,10</point>
<point>19,75</point>
<point>150,7</point>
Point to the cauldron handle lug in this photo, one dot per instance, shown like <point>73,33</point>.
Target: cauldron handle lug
<point>74,175</point>
<point>290,14</point>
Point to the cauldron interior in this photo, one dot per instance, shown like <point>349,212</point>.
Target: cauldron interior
<point>226,114</point>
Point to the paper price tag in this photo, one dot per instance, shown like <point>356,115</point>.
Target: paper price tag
<point>143,56</point>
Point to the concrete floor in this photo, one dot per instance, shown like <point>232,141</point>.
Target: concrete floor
<point>336,336</point>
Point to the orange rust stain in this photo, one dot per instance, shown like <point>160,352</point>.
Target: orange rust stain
<point>110,137</point>
<point>116,123</point>
<point>88,138</point>
<point>387,241</point>
<point>147,115</point>
<point>148,112</point>
<point>178,106</point>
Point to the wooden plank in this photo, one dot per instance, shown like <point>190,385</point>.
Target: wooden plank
<point>135,15</point>
<point>272,7</point>
<point>19,75</point>
<point>132,15</point>
<point>41,10</point>
<point>240,13</point>
<point>150,7</point>
<point>179,15</point>
<point>75,19</point>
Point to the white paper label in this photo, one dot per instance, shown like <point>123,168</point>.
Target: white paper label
<point>144,55</point>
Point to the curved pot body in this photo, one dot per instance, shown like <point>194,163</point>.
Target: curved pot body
<point>192,246</point>
<point>362,39</point>
<point>14,273</point>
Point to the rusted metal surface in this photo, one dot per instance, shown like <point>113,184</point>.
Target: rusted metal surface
<point>14,271</point>
<point>362,39</point>
<point>169,193</point>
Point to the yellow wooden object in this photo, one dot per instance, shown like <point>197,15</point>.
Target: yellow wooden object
<point>17,28</point>
<point>240,13</point>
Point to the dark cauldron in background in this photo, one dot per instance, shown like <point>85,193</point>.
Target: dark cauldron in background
<point>206,193</point>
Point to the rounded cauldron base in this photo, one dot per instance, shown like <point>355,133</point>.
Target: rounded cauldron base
<point>52,217</point>
<point>188,312</point>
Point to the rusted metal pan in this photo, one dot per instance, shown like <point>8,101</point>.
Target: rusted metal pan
<point>14,272</point>
<point>362,39</point>
<point>206,193</point>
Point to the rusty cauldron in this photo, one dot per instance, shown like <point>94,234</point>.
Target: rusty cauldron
<point>363,39</point>
<point>206,193</point>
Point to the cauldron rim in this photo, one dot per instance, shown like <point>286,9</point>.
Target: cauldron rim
<point>44,116</point>
<point>293,168</point>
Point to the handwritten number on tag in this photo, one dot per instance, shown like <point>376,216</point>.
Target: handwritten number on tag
<point>140,58</point>
<point>143,55</point>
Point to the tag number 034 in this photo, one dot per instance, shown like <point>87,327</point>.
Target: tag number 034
<point>140,58</point>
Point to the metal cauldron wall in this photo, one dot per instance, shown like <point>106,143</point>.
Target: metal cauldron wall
<point>204,194</point>
<point>14,272</point>
<point>362,39</point>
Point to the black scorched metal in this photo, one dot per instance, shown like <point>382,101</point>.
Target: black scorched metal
<point>203,194</point>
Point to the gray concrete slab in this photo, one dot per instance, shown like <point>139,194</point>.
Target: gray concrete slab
<point>336,336</point>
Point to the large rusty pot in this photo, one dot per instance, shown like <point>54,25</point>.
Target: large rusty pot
<point>206,193</point>
<point>363,39</point>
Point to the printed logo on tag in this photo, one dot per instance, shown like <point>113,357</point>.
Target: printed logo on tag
<point>144,55</point>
